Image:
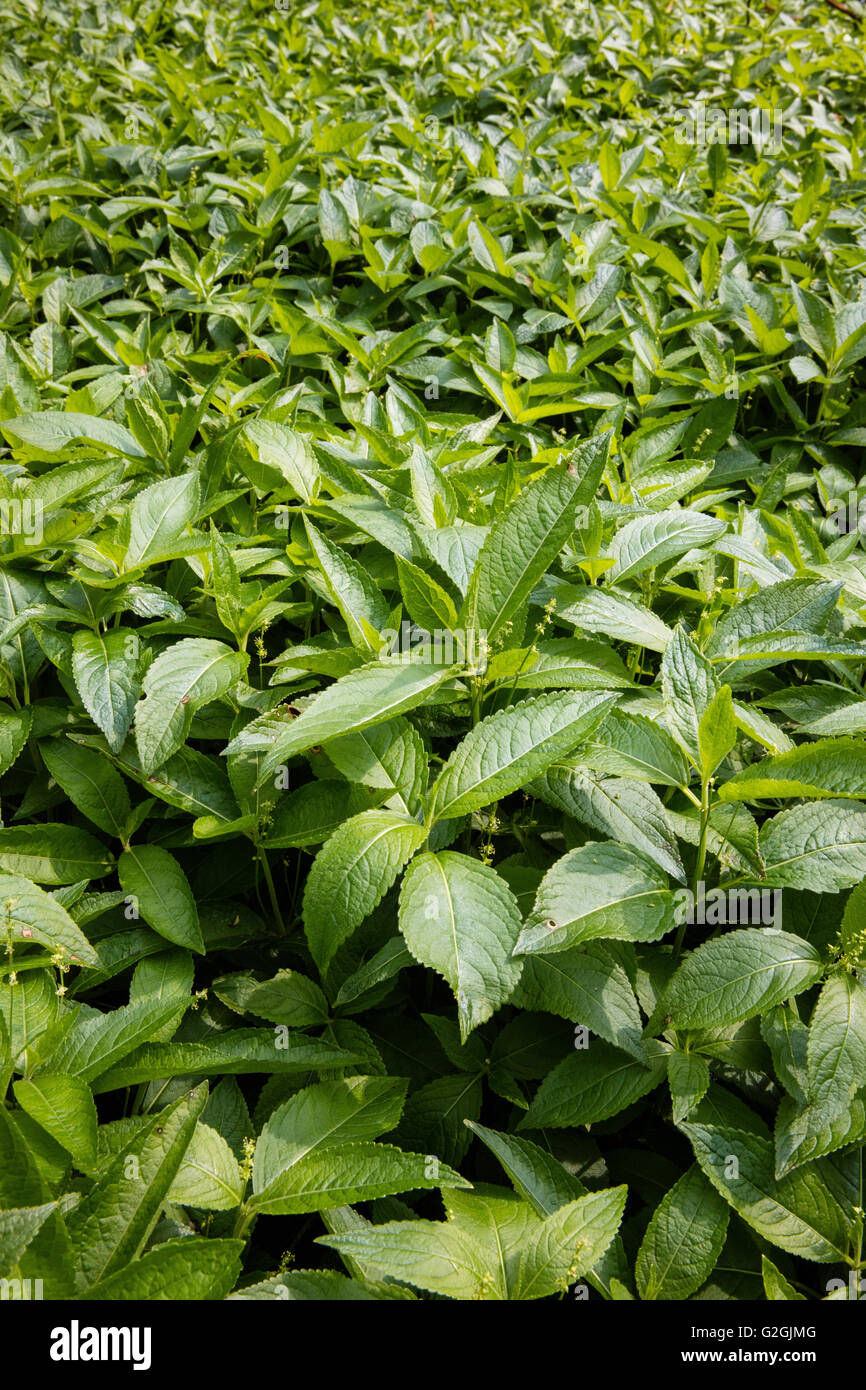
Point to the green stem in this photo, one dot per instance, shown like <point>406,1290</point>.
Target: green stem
<point>272,892</point>
<point>699,863</point>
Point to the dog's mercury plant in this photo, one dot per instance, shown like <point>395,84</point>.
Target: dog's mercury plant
<point>432,760</point>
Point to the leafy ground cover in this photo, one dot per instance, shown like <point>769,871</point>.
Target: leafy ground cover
<point>431,703</point>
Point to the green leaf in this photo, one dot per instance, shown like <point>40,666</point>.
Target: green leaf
<point>209,1176</point>
<point>110,1226</point>
<point>90,782</point>
<point>777,1288</point>
<point>629,745</point>
<point>507,749</point>
<point>529,535</point>
<point>159,518</point>
<point>590,1086</point>
<point>288,998</point>
<point>615,614</point>
<point>322,1116</point>
<point>388,757</point>
<point>567,1244</point>
<point>588,987</point>
<point>370,695</point>
<point>599,890</point>
<point>689,686</point>
<point>459,917</point>
<point>53,431</point>
<point>154,879</point>
<point>27,912</point>
<point>54,854</point>
<point>98,1041</point>
<point>626,811</point>
<point>836,1047</point>
<point>738,975</point>
<point>18,1226</point>
<point>191,1269</point>
<point>649,541</point>
<point>833,767</point>
<point>186,676</point>
<point>63,1106</point>
<point>352,873</point>
<point>689,1078</point>
<point>427,602</point>
<point>819,846</point>
<point>14,733</point>
<point>106,671</point>
<point>352,1172</point>
<point>283,456</point>
<point>349,588</point>
<point>233,1053</point>
<point>683,1240</point>
<point>799,1214</point>
<point>717,731</point>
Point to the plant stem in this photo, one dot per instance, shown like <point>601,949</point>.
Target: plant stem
<point>262,857</point>
<point>699,863</point>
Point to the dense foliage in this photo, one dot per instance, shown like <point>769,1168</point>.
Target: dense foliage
<point>433,609</point>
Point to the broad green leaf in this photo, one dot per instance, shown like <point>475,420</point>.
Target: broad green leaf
<point>18,1226</point>
<point>186,676</point>
<point>233,1053</point>
<point>717,731</point>
<point>110,1226</point>
<point>590,1086</point>
<point>689,686</point>
<point>798,1213</point>
<point>427,602</point>
<point>507,749</point>
<point>158,518</point>
<point>349,588</point>
<point>52,853</point>
<point>53,431</point>
<point>351,874</point>
<point>191,1269</point>
<point>284,458</point>
<point>831,768</point>
<point>98,1041</point>
<point>569,1242</point>
<point>288,998</point>
<point>588,987</point>
<point>683,1240</point>
<point>628,812</point>
<point>90,782</point>
<point>310,815</point>
<point>162,895</point>
<point>208,1176</point>
<point>738,975</point>
<point>836,1047</point>
<point>688,1078</point>
<point>106,671</point>
<point>26,912</point>
<point>527,538</point>
<point>820,846</point>
<point>352,1172</point>
<point>777,1288</point>
<point>648,541</point>
<point>321,1116</point>
<point>459,917</point>
<point>14,733</point>
<point>370,695</point>
<point>615,614</point>
<point>599,890</point>
<point>63,1106</point>
<point>630,745</point>
<point>389,757</point>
